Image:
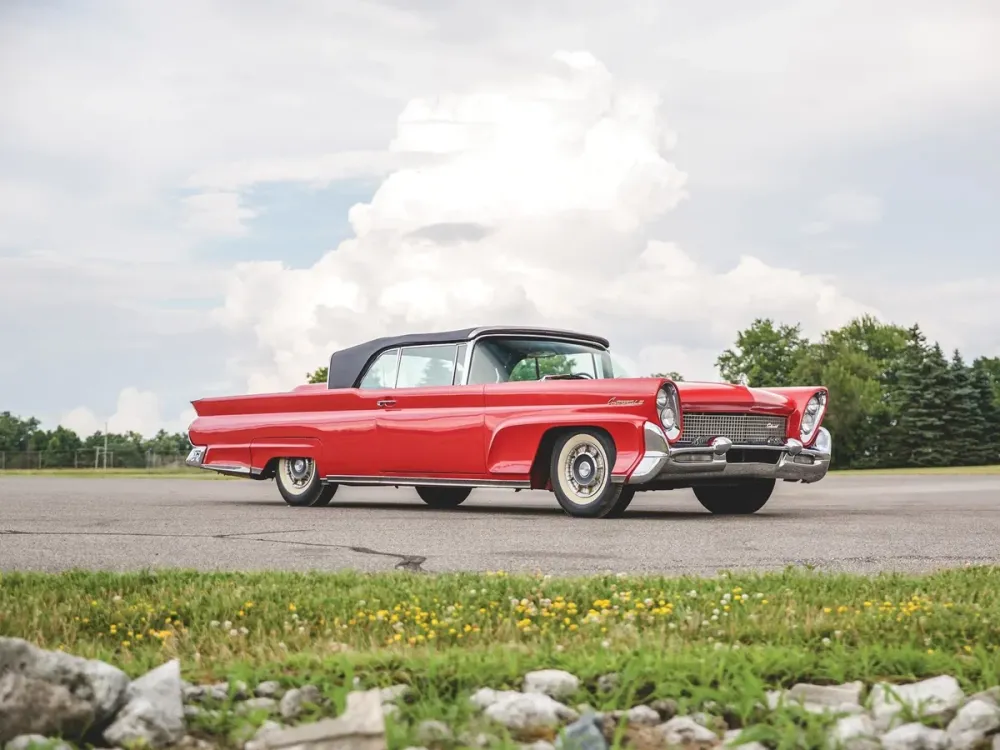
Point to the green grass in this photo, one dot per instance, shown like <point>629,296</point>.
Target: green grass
<point>170,473</point>
<point>929,470</point>
<point>725,639</point>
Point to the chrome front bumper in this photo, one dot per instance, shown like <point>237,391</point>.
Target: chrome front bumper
<point>794,463</point>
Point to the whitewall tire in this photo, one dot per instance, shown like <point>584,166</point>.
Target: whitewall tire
<point>580,473</point>
<point>299,483</point>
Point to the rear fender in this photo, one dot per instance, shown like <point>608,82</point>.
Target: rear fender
<point>265,452</point>
<point>516,443</point>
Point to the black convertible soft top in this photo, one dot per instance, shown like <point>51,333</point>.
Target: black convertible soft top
<point>348,365</point>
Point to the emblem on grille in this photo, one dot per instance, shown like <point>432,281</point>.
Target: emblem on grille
<point>615,401</point>
<point>772,426</point>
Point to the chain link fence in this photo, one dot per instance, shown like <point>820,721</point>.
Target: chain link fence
<point>94,459</point>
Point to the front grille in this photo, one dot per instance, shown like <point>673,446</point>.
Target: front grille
<point>742,429</point>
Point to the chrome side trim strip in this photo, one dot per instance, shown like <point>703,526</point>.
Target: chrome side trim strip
<point>426,481</point>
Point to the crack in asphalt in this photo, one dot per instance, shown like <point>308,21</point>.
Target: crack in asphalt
<point>412,563</point>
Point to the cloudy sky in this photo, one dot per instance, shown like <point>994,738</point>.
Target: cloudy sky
<point>200,197</point>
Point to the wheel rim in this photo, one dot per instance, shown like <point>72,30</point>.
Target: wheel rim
<point>583,466</point>
<point>297,474</point>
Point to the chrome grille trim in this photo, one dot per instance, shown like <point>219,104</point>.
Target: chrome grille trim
<point>742,429</point>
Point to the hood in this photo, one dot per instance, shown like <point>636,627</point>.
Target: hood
<point>730,396</point>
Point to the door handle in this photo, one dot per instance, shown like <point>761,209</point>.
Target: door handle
<point>386,402</point>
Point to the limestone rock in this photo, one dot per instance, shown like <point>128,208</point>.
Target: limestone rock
<point>683,730</point>
<point>360,727</point>
<point>268,689</point>
<point>915,736</point>
<point>973,722</point>
<point>529,712</point>
<point>394,693</point>
<point>855,733</point>
<point>52,693</point>
<point>642,715</point>
<point>937,697</point>
<point>154,713</point>
<point>555,683</point>
<point>485,697</point>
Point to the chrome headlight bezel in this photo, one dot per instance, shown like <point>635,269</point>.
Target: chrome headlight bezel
<point>668,410</point>
<point>812,416</point>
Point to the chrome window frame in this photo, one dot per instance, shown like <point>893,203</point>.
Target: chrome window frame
<point>470,348</point>
<point>530,337</point>
<point>375,360</point>
<point>454,361</point>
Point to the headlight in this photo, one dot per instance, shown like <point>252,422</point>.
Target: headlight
<point>811,416</point>
<point>668,406</point>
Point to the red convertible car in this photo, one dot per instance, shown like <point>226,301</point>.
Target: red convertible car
<point>519,408</point>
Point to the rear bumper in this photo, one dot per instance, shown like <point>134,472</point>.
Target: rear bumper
<point>790,462</point>
<point>196,459</point>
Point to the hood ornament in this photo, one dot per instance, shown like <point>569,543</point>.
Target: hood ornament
<point>743,379</point>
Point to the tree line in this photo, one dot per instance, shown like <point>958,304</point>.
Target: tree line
<point>896,400</point>
<point>25,445</point>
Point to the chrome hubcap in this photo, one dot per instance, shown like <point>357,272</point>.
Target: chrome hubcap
<point>299,471</point>
<point>585,470</point>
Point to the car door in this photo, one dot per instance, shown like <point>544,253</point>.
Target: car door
<point>428,425</point>
<point>351,438</point>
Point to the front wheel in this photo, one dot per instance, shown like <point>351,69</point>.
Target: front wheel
<point>300,485</point>
<point>580,471</point>
<point>741,498</point>
<point>444,497</point>
<point>624,500</point>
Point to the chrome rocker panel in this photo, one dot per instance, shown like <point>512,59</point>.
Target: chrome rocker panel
<point>661,462</point>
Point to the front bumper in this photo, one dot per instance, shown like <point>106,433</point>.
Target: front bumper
<point>791,462</point>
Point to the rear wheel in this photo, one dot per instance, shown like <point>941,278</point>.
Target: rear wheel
<point>580,472</point>
<point>300,485</point>
<point>444,497</point>
<point>742,498</point>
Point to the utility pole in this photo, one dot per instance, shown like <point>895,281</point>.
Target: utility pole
<point>105,446</point>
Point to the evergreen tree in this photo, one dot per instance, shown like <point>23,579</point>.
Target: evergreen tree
<point>966,423</point>
<point>920,402</point>
<point>989,408</point>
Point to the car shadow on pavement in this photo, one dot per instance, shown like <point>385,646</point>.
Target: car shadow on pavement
<point>671,514</point>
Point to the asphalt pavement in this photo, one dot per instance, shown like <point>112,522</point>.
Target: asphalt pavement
<point>844,523</point>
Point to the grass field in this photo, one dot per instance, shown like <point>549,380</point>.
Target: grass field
<point>202,474</point>
<point>725,639</point>
<point>171,473</point>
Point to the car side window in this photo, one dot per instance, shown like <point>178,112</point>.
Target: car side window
<point>382,372</point>
<point>427,366</point>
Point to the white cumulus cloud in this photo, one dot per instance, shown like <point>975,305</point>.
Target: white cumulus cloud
<point>136,411</point>
<point>537,209</point>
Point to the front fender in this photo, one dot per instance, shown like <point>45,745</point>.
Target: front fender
<point>514,442</point>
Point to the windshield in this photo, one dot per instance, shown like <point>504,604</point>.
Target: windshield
<point>503,360</point>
